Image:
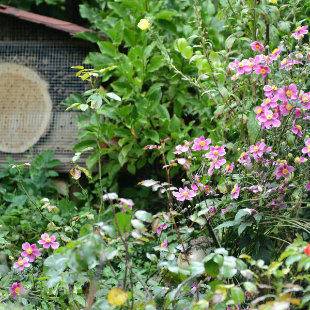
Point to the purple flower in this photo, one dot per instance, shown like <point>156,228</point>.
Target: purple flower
<point>48,241</point>
<point>164,244</point>
<point>283,171</point>
<point>184,194</point>
<point>22,263</point>
<point>16,289</point>
<point>161,227</point>
<point>30,251</point>
<point>235,192</point>
<point>306,150</point>
<point>308,186</point>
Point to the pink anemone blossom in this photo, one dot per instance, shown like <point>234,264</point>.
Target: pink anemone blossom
<point>22,263</point>
<point>48,241</point>
<point>283,171</point>
<point>184,194</point>
<point>235,192</point>
<point>161,227</point>
<point>216,164</point>
<point>164,244</point>
<point>269,120</point>
<point>308,186</point>
<point>201,144</point>
<point>30,251</point>
<point>263,70</point>
<point>306,149</point>
<point>257,47</point>
<point>300,31</point>
<point>215,152</point>
<point>258,150</point>
<point>297,130</point>
<point>16,289</point>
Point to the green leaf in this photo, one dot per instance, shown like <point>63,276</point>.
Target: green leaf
<point>156,62</point>
<point>152,134</point>
<point>114,96</point>
<point>144,216</point>
<point>238,295</point>
<point>196,268</point>
<point>163,112</point>
<point>88,36</point>
<point>212,268</point>
<point>165,14</point>
<point>253,127</point>
<point>55,264</point>
<point>122,222</point>
<point>107,48</point>
<point>225,224</point>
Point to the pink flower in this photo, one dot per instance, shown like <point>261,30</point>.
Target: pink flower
<point>201,144</point>
<point>161,227</point>
<point>184,194</point>
<point>297,130</point>
<point>288,93</point>
<point>245,160</point>
<point>305,99</point>
<point>229,168</point>
<point>283,171</point>
<point>215,152</point>
<point>271,91</point>
<point>300,31</point>
<point>48,241</point>
<point>165,243</point>
<point>235,192</point>
<point>306,149</point>
<point>183,148</point>
<point>269,120</point>
<point>259,113</point>
<point>194,187</point>
<point>308,186</point>
<point>260,69</point>
<point>216,164</point>
<point>16,289</point>
<point>256,46</point>
<point>207,189</point>
<point>30,251</point>
<point>270,102</point>
<point>275,53</point>
<point>258,150</point>
<point>22,263</point>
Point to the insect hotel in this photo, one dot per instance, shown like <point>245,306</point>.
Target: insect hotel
<point>36,56</point>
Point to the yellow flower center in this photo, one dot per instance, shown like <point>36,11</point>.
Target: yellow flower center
<point>285,171</point>
<point>185,193</point>
<point>267,101</point>
<point>207,189</point>
<point>298,28</point>
<point>242,154</point>
<point>21,262</point>
<point>215,152</point>
<point>202,143</point>
<point>308,148</point>
<point>227,167</point>
<point>273,87</point>
<point>269,117</point>
<point>289,107</point>
<point>275,110</point>
<point>29,251</point>
<point>233,190</point>
<point>305,99</point>
<point>284,61</point>
<point>274,51</point>
<point>251,64</point>
<point>262,71</point>
<point>240,64</point>
<point>143,24</point>
<point>297,160</point>
<point>197,179</point>
<point>17,290</point>
<point>299,127</point>
<point>256,148</point>
<point>289,93</point>
<point>259,111</point>
<point>48,240</point>
<point>257,46</point>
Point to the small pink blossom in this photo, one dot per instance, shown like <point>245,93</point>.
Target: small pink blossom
<point>22,263</point>
<point>306,149</point>
<point>270,102</point>
<point>16,289</point>
<point>271,91</point>
<point>48,241</point>
<point>258,150</point>
<point>201,144</point>
<point>305,100</point>
<point>276,52</point>
<point>288,93</point>
<point>235,192</point>
<point>184,194</point>
<point>259,113</point>
<point>164,244</point>
<point>245,160</point>
<point>208,189</point>
<point>283,171</point>
<point>229,168</point>
<point>263,70</point>
<point>257,47</point>
<point>300,31</point>
<point>126,205</point>
<point>216,164</point>
<point>30,251</point>
<point>161,227</point>
<point>308,186</point>
<point>297,129</point>
<point>183,148</point>
<point>216,152</point>
<point>285,108</point>
<point>269,120</point>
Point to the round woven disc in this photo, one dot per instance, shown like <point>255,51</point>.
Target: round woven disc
<point>25,108</point>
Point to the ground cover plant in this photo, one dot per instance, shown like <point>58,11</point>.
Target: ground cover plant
<point>232,227</point>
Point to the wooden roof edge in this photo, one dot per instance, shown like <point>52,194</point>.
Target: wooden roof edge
<point>50,22</point>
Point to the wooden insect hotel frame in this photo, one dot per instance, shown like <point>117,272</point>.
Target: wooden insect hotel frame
<point>36,56</point>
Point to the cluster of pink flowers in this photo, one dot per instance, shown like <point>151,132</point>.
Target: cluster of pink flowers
<point>28,256</point>
<point>280,102</point>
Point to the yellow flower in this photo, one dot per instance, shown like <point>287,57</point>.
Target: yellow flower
<point>117,297</point>
<point>143,24</point>
<point>273,1</point>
